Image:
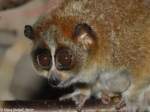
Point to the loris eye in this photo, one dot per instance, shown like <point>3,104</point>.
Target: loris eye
<point>64,59</point>
<point>43,58</point>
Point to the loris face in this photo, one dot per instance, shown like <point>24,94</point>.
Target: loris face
<point>61,58</point>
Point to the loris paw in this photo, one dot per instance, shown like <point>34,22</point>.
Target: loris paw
<point>123,106</point>
<point>129,103</point>
<point>80,101</point>
<point>79,97</point>
<point>106,99</point>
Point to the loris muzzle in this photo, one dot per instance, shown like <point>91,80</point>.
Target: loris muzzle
<point>103,43</point>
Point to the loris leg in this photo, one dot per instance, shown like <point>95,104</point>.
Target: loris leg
<point>79,96</point>
<point>132,95</point>
<point>145,100</point>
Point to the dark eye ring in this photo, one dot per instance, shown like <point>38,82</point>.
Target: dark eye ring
<point>43,58</point>
<point>64,59</point>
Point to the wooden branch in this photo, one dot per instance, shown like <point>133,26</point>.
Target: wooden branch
<point>92,105</point>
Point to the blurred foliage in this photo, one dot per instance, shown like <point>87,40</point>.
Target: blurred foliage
<point>7,4</point>
<point>18,80</point>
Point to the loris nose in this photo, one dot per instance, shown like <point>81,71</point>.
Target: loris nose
<point>54,79</point>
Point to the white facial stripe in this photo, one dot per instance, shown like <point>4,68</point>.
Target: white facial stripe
<point>50,41</point>
<point>53,54</point>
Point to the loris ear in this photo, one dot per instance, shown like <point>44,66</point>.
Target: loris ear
<point>85,35</point>
<point>28,32</point>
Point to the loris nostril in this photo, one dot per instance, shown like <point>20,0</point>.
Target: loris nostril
<point>54,80</point>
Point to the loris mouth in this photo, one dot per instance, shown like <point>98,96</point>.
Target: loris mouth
<point>54,81</point>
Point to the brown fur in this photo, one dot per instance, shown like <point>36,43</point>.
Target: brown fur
<point>122,35</point>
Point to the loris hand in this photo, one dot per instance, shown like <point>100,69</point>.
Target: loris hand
<point>79,96</point>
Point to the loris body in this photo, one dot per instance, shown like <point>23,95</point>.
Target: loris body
<point>93,41</point>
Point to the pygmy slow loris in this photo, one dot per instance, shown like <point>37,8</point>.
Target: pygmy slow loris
<point>102,43</point>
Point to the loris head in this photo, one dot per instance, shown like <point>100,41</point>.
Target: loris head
<point>62,51</point>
